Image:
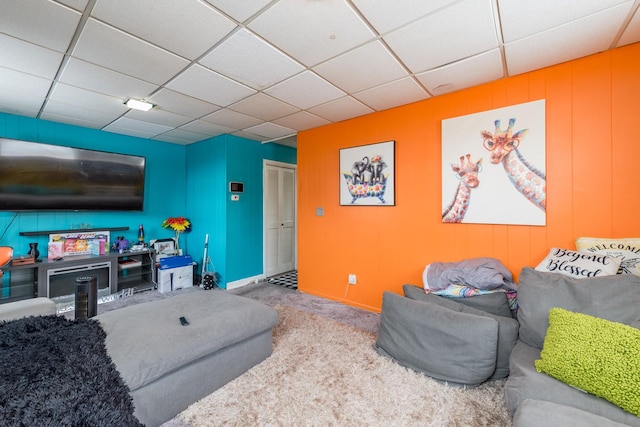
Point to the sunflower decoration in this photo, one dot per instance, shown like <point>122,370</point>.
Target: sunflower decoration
<point>179,225</point>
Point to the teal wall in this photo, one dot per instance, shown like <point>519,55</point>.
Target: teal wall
<point>164,183</point>
<point>191,181</point>
<point>235,228</point>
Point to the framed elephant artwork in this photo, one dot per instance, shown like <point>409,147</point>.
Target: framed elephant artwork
<point>493,166</point>
<point>367,175</point>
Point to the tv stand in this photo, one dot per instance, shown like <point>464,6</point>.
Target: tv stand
<point>33,280</point>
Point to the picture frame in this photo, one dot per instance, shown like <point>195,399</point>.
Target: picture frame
<point>164,246</point>
<point>367,175</point>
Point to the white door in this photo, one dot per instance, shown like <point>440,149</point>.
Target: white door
<point>280,218</point>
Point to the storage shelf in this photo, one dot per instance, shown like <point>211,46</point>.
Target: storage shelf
<point>77,230</point>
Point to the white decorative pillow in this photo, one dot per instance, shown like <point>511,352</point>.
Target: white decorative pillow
<point>578,264</point>
<point>626,250</point>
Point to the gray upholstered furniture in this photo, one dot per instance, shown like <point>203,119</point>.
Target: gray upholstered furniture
<point>536,413</point>
<point>615,298</point>
<point>458,340</point>
<point>29,307</point>
<point>168,366</point>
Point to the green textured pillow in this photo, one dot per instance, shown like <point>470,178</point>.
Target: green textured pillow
<point>595,355</point>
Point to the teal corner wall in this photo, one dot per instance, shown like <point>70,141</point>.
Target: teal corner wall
<point>235,227</point>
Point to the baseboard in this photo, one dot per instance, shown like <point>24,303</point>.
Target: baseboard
<point>243,282</point>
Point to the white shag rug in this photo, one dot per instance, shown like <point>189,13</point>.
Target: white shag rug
<point>324,373</point>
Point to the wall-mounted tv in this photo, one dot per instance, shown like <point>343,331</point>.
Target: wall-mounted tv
<point>36,176</point>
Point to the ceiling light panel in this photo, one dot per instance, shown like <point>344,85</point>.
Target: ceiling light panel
<point>372,63</point>
<point>119,51</point>
<point>209,86</point>
<point>243,53</point>
<point>305,90</point>
<point>44,23</point>
<point>521,18</point>
<point>195,26</point>
<point>322,29</point>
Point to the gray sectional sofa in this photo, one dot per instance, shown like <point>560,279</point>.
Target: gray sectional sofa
<point>528,392</point>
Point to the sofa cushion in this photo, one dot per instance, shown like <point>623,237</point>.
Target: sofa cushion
<point>595,355</point>
<point>536,413</point>
<point>614,298</point>
<point>495,302</point>
<point>445,344</point>
<point>578,264</point>
<point>507,326</point>
<point>627,250</point>
<point>525,382</point>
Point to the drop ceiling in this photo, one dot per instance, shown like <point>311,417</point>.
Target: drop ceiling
<point>267,69</point>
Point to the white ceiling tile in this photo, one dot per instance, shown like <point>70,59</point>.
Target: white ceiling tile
<point>19,104</point>
<point>270,130</point>
<point>76,4</point>
<point>305,90</point>
<point>289,141</point>
<point>159,116</point>
<point>240,10</point>
<point>232,118</point>
<point>44,23</point>
<point>182,134</point>
<point>249,135</point>
<point>301,120</point>
<point>116,50</point>
<point>83,98</point>
<point>166,137</point>
<point>209,86</point>
<point>263,107</point>
<point>372,63</point>
<point>400,92</point>
<point>75,115</point>
<point>387,15</point>
<point>523,18</point>
<point>243,53</point>
<point>28,57</point>
<point>195,26</point>
<point>632,32</point>
<point>206,128</point>
<point>582,37</point>
<point>169,100</point>
<point>463,74</point>
<point>341,109</point>
<point>24,83</point>
<point>137,128</point>
<point>459,31</point>
<point>322,29</point>
<point>99,79</point>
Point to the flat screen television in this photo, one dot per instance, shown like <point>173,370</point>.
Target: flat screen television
<point>36,176</point>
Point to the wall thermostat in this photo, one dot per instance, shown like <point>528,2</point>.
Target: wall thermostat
<point>236,187</point>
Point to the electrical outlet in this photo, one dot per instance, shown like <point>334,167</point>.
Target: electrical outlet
<point>352,279</point>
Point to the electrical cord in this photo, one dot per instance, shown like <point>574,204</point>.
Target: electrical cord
<point>8,225</point>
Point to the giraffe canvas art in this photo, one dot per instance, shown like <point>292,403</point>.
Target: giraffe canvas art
<point>467,173</point>
<point>513,186</point>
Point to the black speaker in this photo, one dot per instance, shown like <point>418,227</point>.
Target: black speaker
<point>86,296</point>
<point>208,281</point>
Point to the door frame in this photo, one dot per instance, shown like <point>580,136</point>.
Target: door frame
<point>274,163</point>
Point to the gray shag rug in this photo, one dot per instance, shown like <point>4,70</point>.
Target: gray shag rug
<point>326,373</point>
<point>56,372</point>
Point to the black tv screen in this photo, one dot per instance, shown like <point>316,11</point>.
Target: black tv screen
<point>36,176</point>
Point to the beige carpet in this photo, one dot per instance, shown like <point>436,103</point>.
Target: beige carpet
<point>324,373</point>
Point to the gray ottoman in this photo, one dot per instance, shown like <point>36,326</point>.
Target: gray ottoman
<point>168,366</point>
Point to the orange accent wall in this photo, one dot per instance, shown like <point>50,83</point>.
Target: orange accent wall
<point>592,169</point>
